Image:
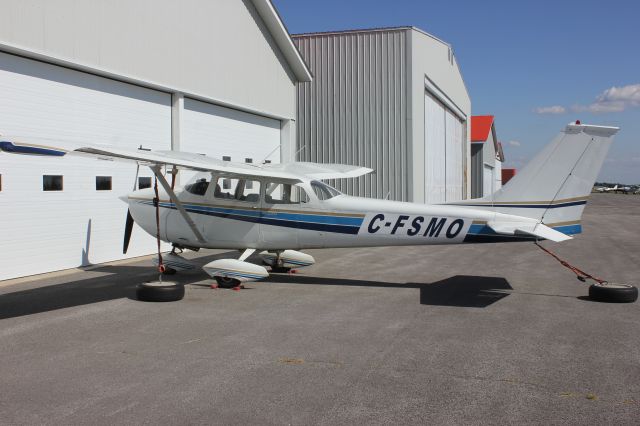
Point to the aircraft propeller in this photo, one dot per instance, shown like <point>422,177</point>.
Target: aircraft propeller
<point>128,227</point>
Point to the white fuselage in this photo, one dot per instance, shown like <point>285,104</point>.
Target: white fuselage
<point>341,221</point>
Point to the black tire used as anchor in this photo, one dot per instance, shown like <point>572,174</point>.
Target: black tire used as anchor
<point>613,293</point>
<point>160,291</point>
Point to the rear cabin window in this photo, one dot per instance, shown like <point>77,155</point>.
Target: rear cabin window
<point>323,191</point>
<point>52,183</point>
<point>284,193</point>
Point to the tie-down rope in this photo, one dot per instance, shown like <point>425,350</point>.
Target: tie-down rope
<point>580,274</point>
<point>156,203</point>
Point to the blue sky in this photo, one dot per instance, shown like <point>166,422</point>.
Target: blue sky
<point>535,65</point>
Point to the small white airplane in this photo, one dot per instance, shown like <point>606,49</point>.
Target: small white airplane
<point>279,209</point>
<point>606,189</point>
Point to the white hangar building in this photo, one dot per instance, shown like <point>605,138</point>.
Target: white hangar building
<point>487,157</point>
<point>216,77</point>
<point>392,99</point>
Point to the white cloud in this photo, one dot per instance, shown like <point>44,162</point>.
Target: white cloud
<point>614,99</point>
<point>555,109</point>
<point>514,143</point>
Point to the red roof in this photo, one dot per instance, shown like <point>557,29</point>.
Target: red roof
<point>507,174</point>
<point>481,127</point>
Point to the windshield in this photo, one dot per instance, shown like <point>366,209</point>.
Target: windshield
<point>198,184</point>
<point>324,191</point>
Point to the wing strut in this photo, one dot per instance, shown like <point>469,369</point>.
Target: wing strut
<point>172,195</point>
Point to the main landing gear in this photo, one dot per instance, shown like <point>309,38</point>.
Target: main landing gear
<point>226,282</point>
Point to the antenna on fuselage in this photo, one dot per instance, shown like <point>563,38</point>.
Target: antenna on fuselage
<point>264,160</point>
<point>299,151</point>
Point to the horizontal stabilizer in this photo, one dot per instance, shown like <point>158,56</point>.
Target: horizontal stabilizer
<point>535,229</point>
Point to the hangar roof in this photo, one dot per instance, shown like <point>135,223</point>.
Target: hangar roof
<point>481,127</point>
<point>281,36</point>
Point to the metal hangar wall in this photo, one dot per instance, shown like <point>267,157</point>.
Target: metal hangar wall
<point>209,77</point>
<point>392,99</point>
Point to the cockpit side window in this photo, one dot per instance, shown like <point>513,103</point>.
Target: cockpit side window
<point>248,191</point>
<point>323,191</point>
<point>284,193</point>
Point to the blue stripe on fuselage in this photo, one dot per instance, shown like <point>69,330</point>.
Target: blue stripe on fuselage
<point>528,206</point>
<point>480,233</point>
<point>336,224</point>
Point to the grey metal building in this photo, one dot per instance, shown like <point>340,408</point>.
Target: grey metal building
<point>214,77</point>
<point>392,99</point>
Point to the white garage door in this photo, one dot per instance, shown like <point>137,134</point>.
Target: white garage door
<point>51,230</point>
<point>488,180</point>
<point>224,132</point>
<point>444,152</point>
<point>497,176</point>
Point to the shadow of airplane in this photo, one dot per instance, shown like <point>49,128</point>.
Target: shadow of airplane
<point>466,291</point>
<point>120,283</point>
<point>457,291</point>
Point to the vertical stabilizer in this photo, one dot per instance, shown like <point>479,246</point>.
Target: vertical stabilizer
<point>555,185</point>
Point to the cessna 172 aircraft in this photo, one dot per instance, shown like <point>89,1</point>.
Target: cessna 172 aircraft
<point>280,209</point>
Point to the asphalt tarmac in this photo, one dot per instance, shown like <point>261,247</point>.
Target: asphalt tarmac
<point>484,334</point>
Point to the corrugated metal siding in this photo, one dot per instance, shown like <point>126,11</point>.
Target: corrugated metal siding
<point>355,110</point>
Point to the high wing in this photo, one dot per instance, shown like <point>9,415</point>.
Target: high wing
<point>292,172</point>
<point>320,171</point>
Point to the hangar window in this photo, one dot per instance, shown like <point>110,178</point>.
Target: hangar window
<point>249,183</point>
<point>52,182</point>
<point>103,183</point>
<point>323,191</point>
<point>144,182</point>
<point>226,158</point>
<point>284,193</point>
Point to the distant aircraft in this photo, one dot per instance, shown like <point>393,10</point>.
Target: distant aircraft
<point>606,189</point>
<point>280,209</point>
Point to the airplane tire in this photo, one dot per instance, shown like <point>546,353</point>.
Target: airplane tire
<point>226,282</point>
<point>280,269</point>
<point>156,291</point>
<point>613,293</point>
